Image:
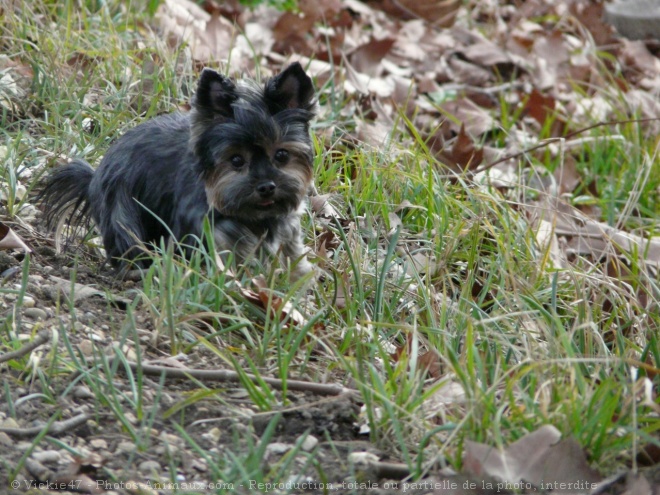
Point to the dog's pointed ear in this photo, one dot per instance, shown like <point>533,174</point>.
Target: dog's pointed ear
<point>211,103</point>
<point>292,88</point>
<point>215,95</point>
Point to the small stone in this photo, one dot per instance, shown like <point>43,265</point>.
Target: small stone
<point>129,353</point>
<point>23,446</point>
<point>82,409</point>
<point>126,447</point>
<point>130,417</point>
<point>171,439</point>
<point>213,435</point>
<point>81,391</point>
<point>86,347</point>
<point>278,448</point>
<point>309,443</point>
<point>20,191</point>
<point>28,212</point>
<point>5,439</point>
<point>47,456</point>
<point>35,313</point>
<point>10,423</point>
<point>149,467</point>
<point>28,302</point>
<point>98,444</point>
<point>362,460</point>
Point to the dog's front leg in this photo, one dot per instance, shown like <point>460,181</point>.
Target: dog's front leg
<point>293,250</point>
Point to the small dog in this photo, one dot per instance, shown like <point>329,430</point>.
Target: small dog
<point>242,158</point>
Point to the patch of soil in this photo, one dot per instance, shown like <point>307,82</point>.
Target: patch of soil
<point>137,431</point>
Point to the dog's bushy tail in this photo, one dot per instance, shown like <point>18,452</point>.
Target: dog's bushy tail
<point>66,191</point>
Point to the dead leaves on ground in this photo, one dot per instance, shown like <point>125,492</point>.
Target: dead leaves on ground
<point>10,240</point>
<point>455,72</point>
<point>540,459</point>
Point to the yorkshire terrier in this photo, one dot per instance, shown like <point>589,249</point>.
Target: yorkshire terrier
<point>242,158</point>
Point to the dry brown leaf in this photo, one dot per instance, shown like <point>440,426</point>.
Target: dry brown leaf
<point>539,107</point>
<point>592,16</point>
<point>567,175</point>
<point>440,13</point>
<point>595,237</point>
<point>291,23</point>
<point>266,298</point>
<point>635,54</point>
<point>412,44</point>
<point>357,81</point>
<point>395,224</point>
<point>487,54</point>
<point>327,241</point>
<point>375,134</point>
<point>475,119</point>
<point>637,484</point>
<point>210,36</point>
<point>468,73</point>
<point>15,84</point>
<point>542,108</point>
<point>429,362</point>
<point>551,58</point>
<point>10,240</point>
<point>464,155</point>
<point>367,58</point>
<point>421,262</point>
<point>321,206</point>
<point>548,243</point>
<point>539,457</point>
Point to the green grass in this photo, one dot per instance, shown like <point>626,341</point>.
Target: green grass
<point>525,342</point>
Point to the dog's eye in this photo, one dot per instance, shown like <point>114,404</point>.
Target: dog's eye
<point>237,161</point>
<point>281,156</point>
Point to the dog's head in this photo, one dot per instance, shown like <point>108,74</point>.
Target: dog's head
<point>253,142</point>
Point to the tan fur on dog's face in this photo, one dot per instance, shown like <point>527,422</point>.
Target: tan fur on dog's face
<point>232,191</point>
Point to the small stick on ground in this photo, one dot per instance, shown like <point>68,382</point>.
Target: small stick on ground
<point>233,376</point>
<point>56,428</point>
<point>41,338</point>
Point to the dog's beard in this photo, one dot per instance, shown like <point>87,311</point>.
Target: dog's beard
<point>235,195</point>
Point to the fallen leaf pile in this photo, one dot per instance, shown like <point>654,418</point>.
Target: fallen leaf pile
<point>453,70</point>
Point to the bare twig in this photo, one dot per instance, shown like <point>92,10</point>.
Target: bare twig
<point>545,143</point>
<point>42,338</point>
<point>56,428</point>
<point>554,140</point>
<point>233,376</point>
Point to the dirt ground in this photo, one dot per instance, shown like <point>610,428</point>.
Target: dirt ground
<point>98,454</point>
<point>135,438</point>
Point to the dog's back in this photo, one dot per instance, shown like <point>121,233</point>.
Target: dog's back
<point>134,189</point>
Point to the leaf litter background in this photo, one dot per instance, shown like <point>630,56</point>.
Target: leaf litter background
<point>447,70</point>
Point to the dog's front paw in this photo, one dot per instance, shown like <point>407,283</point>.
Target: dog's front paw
<point>302,268</point>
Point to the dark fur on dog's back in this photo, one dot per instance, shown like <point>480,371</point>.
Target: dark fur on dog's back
<point>243,156</point>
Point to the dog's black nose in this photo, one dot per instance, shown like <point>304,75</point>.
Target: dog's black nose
<point>266,188</point>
